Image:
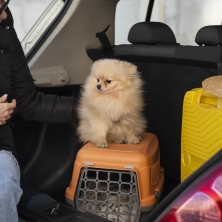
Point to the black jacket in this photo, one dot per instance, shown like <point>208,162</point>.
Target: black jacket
<point>17,82</point>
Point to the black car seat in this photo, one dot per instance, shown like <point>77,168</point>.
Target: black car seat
<point>169,70</point>
<point>210,36</point>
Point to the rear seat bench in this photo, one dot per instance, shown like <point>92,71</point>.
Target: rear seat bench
<point>169,70</point>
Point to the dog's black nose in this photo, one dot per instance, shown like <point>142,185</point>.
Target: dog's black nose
<point>98,86</point>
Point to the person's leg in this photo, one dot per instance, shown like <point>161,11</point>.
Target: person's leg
<point>10,191</point>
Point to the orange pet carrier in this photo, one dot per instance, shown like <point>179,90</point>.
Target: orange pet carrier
<point>119,182</point>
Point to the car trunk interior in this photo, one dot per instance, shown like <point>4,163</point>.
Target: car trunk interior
<point>47,151</point>
<point>56,145</point>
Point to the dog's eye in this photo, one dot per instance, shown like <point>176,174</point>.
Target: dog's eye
<point>108,81</point>
<point>97,80</point>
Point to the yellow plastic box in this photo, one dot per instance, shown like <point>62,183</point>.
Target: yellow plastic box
<point>201,129</point>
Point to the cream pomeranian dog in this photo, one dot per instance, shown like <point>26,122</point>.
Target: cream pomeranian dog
<point>111,104</point>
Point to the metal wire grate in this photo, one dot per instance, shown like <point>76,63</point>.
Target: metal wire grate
<point>109,194</point>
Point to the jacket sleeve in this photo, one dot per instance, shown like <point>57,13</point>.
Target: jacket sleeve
<point>34,105</point>
<point>6,141</point>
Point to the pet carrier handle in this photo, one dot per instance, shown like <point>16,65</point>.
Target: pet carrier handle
<point>204,97</point>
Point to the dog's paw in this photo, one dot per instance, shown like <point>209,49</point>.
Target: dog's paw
<point>134,140</point>
<point>102,145</point>
<point>120,141</point>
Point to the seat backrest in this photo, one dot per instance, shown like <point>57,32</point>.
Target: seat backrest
<point>169,70</point>
<point>209,36</point>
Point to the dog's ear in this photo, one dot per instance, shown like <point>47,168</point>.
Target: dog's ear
<point>130,70</point>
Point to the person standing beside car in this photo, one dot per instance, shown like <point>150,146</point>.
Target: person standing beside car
<point>17,91</point>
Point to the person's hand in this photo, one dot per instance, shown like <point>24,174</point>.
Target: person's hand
<point>6,109</point>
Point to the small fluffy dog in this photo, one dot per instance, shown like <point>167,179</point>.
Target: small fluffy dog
<point>111,104</point>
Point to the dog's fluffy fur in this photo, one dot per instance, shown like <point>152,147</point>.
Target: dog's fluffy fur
<point>111,104</point>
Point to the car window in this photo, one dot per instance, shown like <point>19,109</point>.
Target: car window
<point>32,19</point>
<point>185,18</point>
<point>25,15</point>
<point>128,12</point>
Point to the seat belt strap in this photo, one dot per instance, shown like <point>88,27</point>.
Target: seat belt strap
<point>103,37</point>
<point>107,48</point>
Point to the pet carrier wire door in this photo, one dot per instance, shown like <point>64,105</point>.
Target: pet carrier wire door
<point>109,194</point>
<point>119,182</point>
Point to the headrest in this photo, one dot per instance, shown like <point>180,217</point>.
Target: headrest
<point>209,35</point>
<point>151,33</point>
